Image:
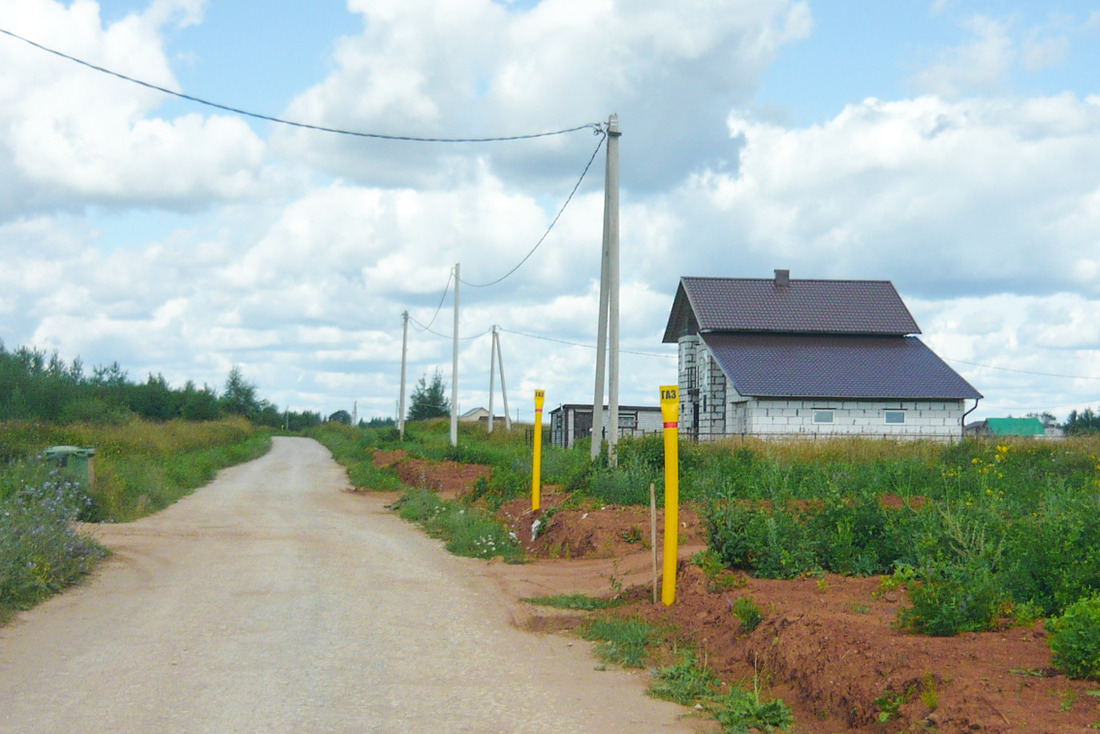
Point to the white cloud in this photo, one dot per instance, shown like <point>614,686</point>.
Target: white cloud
<point>70,136</point>
<point>311,247</point>
<point>431,68</point>
<point>942,196</point>
<point>979,66</point>
<point>1025,353</point>
<point>1044,51</point>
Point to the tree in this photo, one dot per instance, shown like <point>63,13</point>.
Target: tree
<point>1046,418</point>
<point>239,397</point>
<point>429,400</point>
<point>1084,422</point>
<point>340,416</point>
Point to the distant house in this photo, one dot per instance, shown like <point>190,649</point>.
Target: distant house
<point>480,415</point>
<point>1001,427</point>
<point>474,414</point>
<point>780,357</point>
<point>572,421</point>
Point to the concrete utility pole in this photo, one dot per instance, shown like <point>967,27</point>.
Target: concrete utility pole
<point>492,374</point>
<point>454,372</point>
<point>404,353</point>
<point>607,336</point>
<point>496,361</point>
<point>503,389</point>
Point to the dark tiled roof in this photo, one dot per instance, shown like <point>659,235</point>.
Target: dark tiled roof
<point>849,367</point>
<point>801,307</point>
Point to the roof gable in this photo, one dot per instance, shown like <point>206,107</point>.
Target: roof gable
<point>764,305</point>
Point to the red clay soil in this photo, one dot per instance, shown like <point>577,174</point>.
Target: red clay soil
<point>826,646</point>
<point>448,478</point>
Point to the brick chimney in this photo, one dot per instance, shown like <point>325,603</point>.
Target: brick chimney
<point>782,278</point>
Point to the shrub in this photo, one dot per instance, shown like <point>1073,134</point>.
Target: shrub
<point>40,551</point>
<point>953,598</point>
<point>742,711</point>
<point>748,612</point>
<point>1075,639</point>
<point>465,531</point>
<point>685,683</point>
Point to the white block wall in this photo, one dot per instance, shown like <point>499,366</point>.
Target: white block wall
<point>688,382</point>
<point>728,413</point>
<point>939,419</point>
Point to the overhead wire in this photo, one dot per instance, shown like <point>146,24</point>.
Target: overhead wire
<point>293,123</point>
<point>442,298</point>
<point>433,332</point>
<point>586,346</point>
<point>1022,372</point>
<point>603,137</point>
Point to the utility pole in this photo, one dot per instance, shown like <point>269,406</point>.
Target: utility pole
<point>503,389</point>
<point>454,371</point>
<point>492,374</point>
<point>496,361</point>
<point>607,336</point>
<point>404,353</point>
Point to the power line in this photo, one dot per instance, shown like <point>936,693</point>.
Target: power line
<point>603,136</point>
<point>433,332</point>
<point>437,308</point>
<point>586,346</point>
<point>320,128</point>
<point>1023,372</point>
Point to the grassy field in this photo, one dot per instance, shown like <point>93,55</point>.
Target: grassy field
<point>140,467</point>
<point>977,531</point>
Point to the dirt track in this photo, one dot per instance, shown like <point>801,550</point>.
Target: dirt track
<point>272,601</point>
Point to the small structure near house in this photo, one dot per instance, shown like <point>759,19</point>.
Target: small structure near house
<point>1001,427</point>
<point>573,420</point>
<point>780,357</point>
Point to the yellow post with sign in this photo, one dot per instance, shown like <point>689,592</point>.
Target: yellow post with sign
<point>670,412</point>
<point>536,467</point>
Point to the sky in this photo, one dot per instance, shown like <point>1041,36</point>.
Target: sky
<point>949,146</point>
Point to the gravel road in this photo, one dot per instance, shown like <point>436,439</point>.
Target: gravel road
<point>273,601</point>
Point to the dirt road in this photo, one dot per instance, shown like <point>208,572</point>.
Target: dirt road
<point>272,601</point>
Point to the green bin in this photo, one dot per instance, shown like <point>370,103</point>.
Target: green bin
<point>75,460</point>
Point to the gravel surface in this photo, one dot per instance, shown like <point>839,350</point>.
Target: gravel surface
<point>273,601</point>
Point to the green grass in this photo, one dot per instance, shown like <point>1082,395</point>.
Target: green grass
<point>742,711</point>
<point>581,602</point>
<point>465,531</point>
<point>354,449</point>
<point>140,467</point>
<point>739,710</point>
<point>1018,515</point>
<point>686,683</point>
<point>622,641</point>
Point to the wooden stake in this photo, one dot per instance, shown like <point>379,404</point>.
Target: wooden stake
<point>653,533</point>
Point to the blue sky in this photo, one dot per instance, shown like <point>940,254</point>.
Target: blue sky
<point>950,147</point>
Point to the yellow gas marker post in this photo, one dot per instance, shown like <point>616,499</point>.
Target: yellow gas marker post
<point>670,412</point>
<point>536,468</point>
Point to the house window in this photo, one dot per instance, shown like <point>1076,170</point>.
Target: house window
<point>894,417</point>
<point>628,420</point>
<point>823,416</point>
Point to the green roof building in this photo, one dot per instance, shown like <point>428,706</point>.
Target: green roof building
<point>997,427</point>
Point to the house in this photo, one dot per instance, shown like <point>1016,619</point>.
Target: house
<point>480,415</point>
<point>572,421</point>
<point>775,357</point>
<point>1000,427</point>
<point>474,414</point>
